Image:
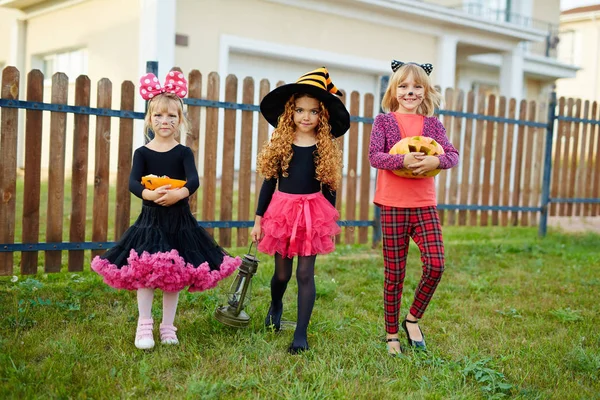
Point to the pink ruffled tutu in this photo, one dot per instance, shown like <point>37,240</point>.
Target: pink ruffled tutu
<point>299,225</point>
<point>165,249</point>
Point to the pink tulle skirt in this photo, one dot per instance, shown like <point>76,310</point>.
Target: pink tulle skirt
<point>299,225</point>
<point>167,271</point>
<point>165,249</point>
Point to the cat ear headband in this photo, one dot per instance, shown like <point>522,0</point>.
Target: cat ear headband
<point>174,83</point>
<point>397,64</point>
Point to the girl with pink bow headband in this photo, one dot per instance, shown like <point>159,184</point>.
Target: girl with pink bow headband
<point>165,248</point>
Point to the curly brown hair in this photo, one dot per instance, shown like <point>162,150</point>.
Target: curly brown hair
<point>274,159</point>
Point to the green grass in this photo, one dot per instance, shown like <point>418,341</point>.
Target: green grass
<point>515,316</point>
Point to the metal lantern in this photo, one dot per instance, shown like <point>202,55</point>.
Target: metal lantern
<point>238,295</point>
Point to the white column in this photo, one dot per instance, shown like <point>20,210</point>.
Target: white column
<point>445,66</point>
<point>157,34</point>
<point>157,43</point>
<point>17,58</point>
<point>511,74</point>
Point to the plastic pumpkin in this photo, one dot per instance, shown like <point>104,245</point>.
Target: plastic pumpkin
<point>153,182</point>
<point>421,144</point>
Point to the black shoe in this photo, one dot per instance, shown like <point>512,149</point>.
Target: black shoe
<point>297,349</point>
<point>414,343</point>
<point>274,318</point>
<point>393,352</point>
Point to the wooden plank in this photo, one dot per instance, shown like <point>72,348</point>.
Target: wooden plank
<point>229,125</point>
<point>452,173</point>
<point>9,119</point>
<point>477,155</point>
<point>365,171</point>
<point>262,138</point>
<point>465,184</point>
<point>442,178</point>
<point>245,173</point>
<point>518,165</point>
<point>538,161</point>
<point>498,157</point>
<point>529,154</point>
<point>596,168</point>
<point>352,167</point>
<point>508,154</point>
<point>557,157</point>
<point>580,183</point>
<point>563,190</point>
<point>33,162</point>
<point>56,172</point>
<point>486,185</point>
<point>571,209</point>
<point>123,206</point>
<point>339,200</point>
<point>193,138</point>
<point>177,135</point>
<point>590,175</point>
<point>209,186</point>
<point>101,169</point>
<point>79,173</point>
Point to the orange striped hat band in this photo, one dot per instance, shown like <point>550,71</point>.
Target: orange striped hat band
<point>319,78</point>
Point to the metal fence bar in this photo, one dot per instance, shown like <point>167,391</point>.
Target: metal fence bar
<point>105,112</point>
<point>543,227</point>
<point>491,118</point>
<point>575,119</point>
<point>574,200</point>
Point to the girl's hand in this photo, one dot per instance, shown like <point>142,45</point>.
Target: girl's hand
<point>411,158</point>
<point>153,195</point>
<point>424,164</point>
<point>257,233</point>
<point>170,197</point>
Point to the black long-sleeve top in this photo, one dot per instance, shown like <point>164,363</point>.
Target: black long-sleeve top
<point>301,179</point>
<point>177,163</point>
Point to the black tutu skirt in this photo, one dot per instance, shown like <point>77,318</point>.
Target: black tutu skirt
<point>165,249</point>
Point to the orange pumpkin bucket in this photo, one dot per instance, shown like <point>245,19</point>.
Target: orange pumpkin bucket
<point>422,144</point>
<point>153,182</point>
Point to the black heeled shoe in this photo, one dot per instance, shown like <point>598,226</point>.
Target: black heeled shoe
<point>414,343</point>
<point>393,352</point>
<point>297,349</point>
<point>274,318</point>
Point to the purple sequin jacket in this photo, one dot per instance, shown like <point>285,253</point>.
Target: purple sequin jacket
<point>386,133</point>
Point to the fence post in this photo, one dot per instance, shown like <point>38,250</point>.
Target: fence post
<point>151,66</point>
<point>383,83</point>
<point>547,165</point>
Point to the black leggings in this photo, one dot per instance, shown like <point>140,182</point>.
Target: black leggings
<point>305,276</point>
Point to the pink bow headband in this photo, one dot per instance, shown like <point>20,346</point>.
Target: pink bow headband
<point>174,83</point>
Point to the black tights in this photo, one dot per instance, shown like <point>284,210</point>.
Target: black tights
<point>305,275</point>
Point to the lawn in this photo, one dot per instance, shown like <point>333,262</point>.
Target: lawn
<point>515,316</point>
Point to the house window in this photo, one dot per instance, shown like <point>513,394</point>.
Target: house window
<point>72,63</point>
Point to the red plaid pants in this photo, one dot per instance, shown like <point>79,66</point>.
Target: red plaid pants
<point>398,226</point>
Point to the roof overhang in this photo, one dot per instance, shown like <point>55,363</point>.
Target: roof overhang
<point>32,7</point>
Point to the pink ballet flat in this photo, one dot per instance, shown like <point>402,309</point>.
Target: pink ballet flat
<point>167,334</point>
<point>143,336</point>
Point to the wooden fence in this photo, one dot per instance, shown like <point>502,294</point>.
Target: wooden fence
<point>499,180</point>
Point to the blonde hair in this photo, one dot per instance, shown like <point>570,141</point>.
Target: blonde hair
<point>274,159</point>
<point>431,97</point>
<point>161,103</point>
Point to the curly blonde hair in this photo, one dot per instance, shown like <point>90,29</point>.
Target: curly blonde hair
<point>160,103</point>
<point>431,98</point>
<point>274,159</point>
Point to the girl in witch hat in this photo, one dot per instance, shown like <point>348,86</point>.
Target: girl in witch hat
<point>408,205</point>
<point>302,158</point>
<point>165,248</point>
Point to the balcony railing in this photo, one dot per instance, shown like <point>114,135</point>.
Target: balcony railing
<point>555,39</point>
